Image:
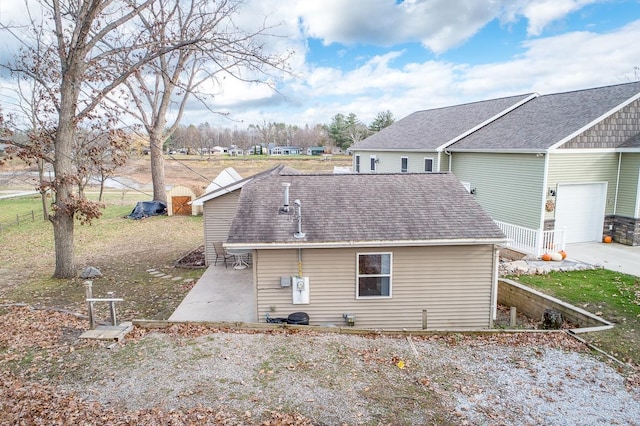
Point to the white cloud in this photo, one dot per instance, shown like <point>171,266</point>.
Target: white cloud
<point>438,24</point>
<point>541,13</point>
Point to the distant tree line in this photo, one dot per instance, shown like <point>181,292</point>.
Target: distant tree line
<point>342,132</point>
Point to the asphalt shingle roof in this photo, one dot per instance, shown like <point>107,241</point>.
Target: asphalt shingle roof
<point>547,120</point>
<point>361,208</point>
<point>430,129</point>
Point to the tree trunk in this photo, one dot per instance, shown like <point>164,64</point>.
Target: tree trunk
<point>63,237</point>
<point>64,211</point>
<point>43,192</point>
<point>157,168</point>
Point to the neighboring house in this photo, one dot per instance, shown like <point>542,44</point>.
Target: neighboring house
<point>390,251</point>
<point>549,169</point>
<point>315,150</point>
<point>417,143</point>
<point>285,150</point>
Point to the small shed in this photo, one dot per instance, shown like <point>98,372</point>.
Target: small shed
<point>179,200</point>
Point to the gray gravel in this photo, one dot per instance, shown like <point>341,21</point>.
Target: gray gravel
<point>340,379</point>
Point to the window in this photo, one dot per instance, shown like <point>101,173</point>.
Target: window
<point>404,164</point>
<point>373,161</point>
<point>357,164</point>
<point>428,164</point>
<point>374,275</point>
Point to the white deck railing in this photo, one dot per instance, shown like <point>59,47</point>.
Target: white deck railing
<point>533,241</point>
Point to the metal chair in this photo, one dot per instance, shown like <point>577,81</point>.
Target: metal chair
<point>221,253</point>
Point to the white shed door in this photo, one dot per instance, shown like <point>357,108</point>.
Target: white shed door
<point>580,211</point>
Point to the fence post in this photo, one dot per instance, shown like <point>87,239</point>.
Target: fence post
<point>112,305</point>
<point>17,219</point>
<point>33,216</point>
<point>88,291</point>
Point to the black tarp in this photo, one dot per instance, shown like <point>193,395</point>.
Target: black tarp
<point>148,208</point>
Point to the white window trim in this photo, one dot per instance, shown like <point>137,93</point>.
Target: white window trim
<point>390,275</point>
<point>407,169</point>
<point>424,161</point>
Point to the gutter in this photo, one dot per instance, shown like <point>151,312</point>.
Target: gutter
<point>379,243</point>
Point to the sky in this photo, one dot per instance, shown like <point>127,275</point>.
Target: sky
<point>369,56</point>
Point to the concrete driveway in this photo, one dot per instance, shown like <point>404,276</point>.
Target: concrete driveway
<point>613,256</point>
<point>220,295</point>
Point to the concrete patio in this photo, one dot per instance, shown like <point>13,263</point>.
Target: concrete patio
<point>220,295</point>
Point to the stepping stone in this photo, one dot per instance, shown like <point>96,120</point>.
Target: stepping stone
<point>176,278</point>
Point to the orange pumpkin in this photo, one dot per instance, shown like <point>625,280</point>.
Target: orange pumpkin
<point>607,239</point>
<point>563,254</point>
<point>546,256</point>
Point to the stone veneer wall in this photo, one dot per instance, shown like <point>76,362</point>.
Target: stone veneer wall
<point>626,230</point>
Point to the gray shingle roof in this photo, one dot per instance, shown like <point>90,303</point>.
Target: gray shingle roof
<point>361,208</point>
<point>547,120</point>
<point>430,129</point>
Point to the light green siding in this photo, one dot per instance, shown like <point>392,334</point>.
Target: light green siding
<point>391,161</point>
<point>217,216</point>
<point>508,186</point>
<point>628,190</point>
<point>585,168</point>
<point>455,293</point>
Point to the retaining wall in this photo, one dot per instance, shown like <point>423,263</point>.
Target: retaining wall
<point>532,303</point>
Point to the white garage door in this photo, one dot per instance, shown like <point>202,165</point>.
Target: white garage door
<point>580,210</point>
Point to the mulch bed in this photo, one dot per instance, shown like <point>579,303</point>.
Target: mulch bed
<point>192,260</point>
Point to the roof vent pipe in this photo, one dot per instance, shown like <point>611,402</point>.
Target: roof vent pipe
<point>285,206</point>
<point>299,234</point>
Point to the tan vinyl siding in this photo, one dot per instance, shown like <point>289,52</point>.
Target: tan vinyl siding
<point>390,161</point>
<point>628,191</point>
<point>452,283</point>
<point>585,168</point>
<point>508,186</point>
<point>217,217</point>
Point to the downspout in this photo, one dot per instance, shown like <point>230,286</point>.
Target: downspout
<point>494,285</point>
<point>615,198</point>
<point>449,155</point>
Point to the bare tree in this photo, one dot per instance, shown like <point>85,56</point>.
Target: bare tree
<point>224,50</point>
<point>91,48</point>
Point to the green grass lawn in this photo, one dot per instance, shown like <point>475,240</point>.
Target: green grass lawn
<point>123,249</point>
<point>612,295</point>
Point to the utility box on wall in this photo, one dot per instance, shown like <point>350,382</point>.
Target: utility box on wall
<point>300,290</point>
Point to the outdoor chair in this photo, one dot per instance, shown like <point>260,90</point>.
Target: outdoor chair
<point>221,253</point>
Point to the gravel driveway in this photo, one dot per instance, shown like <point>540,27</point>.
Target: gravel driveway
<point>519,379</point>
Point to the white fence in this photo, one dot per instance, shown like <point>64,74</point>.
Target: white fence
<point>533,241</point>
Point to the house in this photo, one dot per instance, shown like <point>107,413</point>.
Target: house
<point>549,169</point>
<point>315,150</point>
<point>285,150</point>
<point>385,251</point>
